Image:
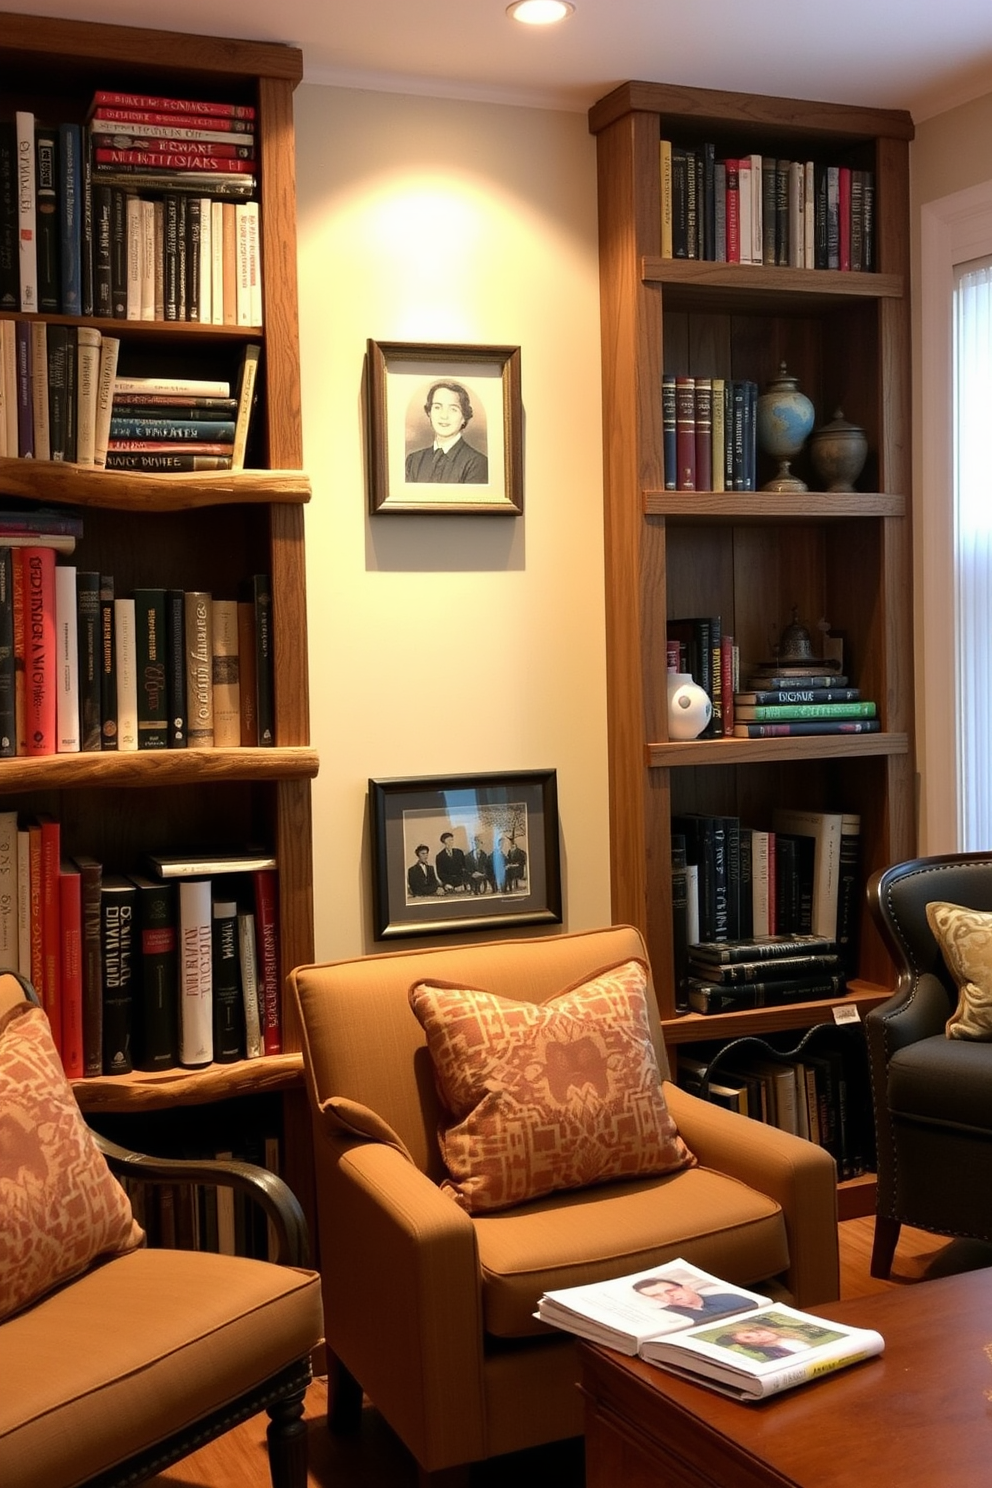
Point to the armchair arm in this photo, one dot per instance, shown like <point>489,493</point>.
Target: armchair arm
<point>800,1176</point>
<point>917,1010</point>
<point>276,1198</point>
<point>402,1298</point>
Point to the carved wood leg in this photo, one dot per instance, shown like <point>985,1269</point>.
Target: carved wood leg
<point>344,1398</point>
<point>884,1249</point>
<point>287,1439</point>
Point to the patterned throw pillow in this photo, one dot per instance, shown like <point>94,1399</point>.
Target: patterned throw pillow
<point>60,1206</point>
<point>965,940</point>
<point>544,1096</point>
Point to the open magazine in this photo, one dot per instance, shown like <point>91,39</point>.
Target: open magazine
<point>737,1341</point>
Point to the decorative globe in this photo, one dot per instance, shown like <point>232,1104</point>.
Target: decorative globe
<point>785,419</point>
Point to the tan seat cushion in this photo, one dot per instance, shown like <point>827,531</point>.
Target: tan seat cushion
<point>573,1238</point>
<point>136,1349</point>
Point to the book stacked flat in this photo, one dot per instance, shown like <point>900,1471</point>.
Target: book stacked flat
<point>767,971</point>
<point>186,424</point>
<point>802,699</point>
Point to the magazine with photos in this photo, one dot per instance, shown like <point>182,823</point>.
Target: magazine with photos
<point>725,1336</point>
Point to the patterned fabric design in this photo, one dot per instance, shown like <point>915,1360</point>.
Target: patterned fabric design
<point>965,940</point>
<point>60,1206</point>
<point>547,1096</point>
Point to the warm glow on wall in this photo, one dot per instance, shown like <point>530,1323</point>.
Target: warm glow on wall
<point>540,12</point>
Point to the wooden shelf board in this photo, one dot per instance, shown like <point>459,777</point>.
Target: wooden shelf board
<point>125,490</point>
<point>742,507</point>
<point>856,1196</point>
<point>694,1028</point>
<point>757,751</point>
<point>155,767</point>
<point>151,1090</point>
<point>785,291</point>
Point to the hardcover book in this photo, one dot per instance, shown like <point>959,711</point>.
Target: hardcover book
<point>157,999</point>
<point>117,947</point>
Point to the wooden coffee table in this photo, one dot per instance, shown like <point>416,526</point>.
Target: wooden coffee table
<point>919,1416</point>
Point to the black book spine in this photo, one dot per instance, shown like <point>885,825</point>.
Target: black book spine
<point>10,284</point>
<point>170,259</point>
<point>769,210</point>
<point>117,948</point>
<point>88,650</point>
<point>668,426</point>
<point>228,1010</point>
<point>118,253</point>
<point>746,898</point>
<point>103,300</point>
<point>680,907</point>
<point>108,665</point>
<point>680,213</point>
<point>8,684</point>
<point>182,257</point>
<point>709,202</point>
<point>193,251</point>
<point>150,668</point>
<point>87,293</point>
<point>157,1018</point>
<point>175,660</point>
<point>58,339</point>
<point>47,229</point>
<point>91,876</point>
<point>71,394</point>
<point>264,659</point>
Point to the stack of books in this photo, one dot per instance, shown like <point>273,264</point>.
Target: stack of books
<point>185,424</point>
<point>766,971</point>
<point>802,699</point>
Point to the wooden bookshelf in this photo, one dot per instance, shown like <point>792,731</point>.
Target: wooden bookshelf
<point>751,557</point>
<point>207,531</point>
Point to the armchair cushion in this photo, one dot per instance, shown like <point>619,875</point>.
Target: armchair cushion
<point>965,940</point>
<point>546,1096</point>
<point>61,1206</point>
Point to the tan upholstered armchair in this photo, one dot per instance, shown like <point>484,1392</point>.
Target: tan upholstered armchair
<point>116,1359</point>
<point>430,1308</point>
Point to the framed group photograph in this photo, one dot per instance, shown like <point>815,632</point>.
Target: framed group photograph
<point>464,852</point>
<point>444,428</point>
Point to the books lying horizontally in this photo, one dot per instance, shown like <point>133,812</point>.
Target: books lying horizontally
<point>725,977</point>
<point>734,1340</point>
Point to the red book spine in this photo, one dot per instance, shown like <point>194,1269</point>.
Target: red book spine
<point>733,212</point>
<point>685,432</point>
<point>727,684</point>
<point>170,446</point>
<point>267,940</point>
<point>844,215</point>
<point>232,150</point>
<point>39,652</point>
<point>20,692</point>
<point>51,931</point>
<point>162,160</point>
<point>71,921</point>
<point>103,99</point>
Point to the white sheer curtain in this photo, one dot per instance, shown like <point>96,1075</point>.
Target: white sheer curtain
<point>973,549</point>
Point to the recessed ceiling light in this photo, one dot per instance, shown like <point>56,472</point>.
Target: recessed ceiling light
<point>540,12</point>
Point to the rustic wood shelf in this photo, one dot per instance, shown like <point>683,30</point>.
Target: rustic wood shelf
<point>156,1090</point>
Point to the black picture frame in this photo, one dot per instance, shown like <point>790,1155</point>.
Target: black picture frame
<point>485,473</point>
<point>513,813</point>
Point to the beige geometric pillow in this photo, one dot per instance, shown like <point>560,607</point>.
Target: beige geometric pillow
<point>547,1096</point>
<point>965,940</point>
<point>60,1205</point>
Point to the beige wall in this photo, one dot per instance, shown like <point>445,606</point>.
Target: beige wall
<point>451,644</point>
<point>951,153</point>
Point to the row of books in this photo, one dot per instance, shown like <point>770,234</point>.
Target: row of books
<point>85,669</point>
<point>757,209</point>
<point>146,212</point>
<point>144,970</point>
<point>708,433</point>
<point>61,398</point>
<point>699,646</point>
<point>820,1091</point>
<point>735,883</point>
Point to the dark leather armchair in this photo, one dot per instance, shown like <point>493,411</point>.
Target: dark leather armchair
<point>932,1094</point>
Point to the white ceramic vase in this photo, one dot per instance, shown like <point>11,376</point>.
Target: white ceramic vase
<point>689,707</point>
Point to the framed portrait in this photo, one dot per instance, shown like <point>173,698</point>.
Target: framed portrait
<point>464,852</point>
<point>444,428</point>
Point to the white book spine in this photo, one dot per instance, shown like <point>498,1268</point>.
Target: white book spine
<point>24,901</point>
<point>127,674</point>
<point>147,260</point>
<point>206,260</point>
<point>26,228</point>
<point>9,954</point>
<point>224,674</point>
<point>760,847</point>
<point>39,390</point>
<point>196,1040</point>
<point>243,294</point>
<point>744,201</point>
<point>757,210</point>
<point>692,904</point>
<point>87,382</point>
<point>109,351</point>
<point>158,289</point>
<point>132,229</point>
<point>217,262</point>
<point>67,662</point>
<point>254,264</point>
<point>809,205</point>
<point>249,983</point>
